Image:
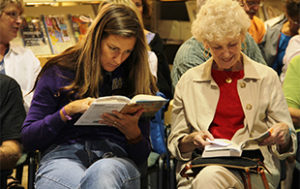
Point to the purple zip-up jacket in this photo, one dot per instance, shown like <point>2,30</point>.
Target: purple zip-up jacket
<point>44,127</point>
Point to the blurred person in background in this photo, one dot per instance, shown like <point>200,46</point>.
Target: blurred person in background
<point>12,115</point>
<point>278,35</point>
<point>291,91</point>
<point>15,61</point>
<point>292,50</point>
<point>257,28</point>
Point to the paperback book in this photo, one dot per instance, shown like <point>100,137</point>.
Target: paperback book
<point>225,147</point>
<point>151,104</point>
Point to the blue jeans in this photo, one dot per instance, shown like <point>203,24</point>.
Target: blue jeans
<point>86,166</point>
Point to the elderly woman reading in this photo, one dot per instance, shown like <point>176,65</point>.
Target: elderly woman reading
<point>229,96</point>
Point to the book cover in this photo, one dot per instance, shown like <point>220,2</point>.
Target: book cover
<point>224,147</point>
<point>80,25</point>
<point>59,32</point>
<point>150,104</point>
<point>34,36</point>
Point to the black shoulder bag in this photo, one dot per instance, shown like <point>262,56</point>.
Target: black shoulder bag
<point>250,162</point>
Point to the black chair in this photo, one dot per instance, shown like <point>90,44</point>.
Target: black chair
<point>172,173</point>
<point>30,159</point>
<point>3,177</point>
<point>155,172</point>
<point>296,176</point>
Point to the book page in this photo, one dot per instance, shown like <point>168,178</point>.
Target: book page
<point>100,106</point>
<point>221,147</point>
<point>93,115</point>
<point>220,142</point>
<point>215,147</point>
<point>119,103</point>
<point>112,99</point>
<point>143,98</point>
<point>224,147</point>
<point>150,103</point>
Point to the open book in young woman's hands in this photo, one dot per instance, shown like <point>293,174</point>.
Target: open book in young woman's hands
<point>224,147</point>
<point>150,103</point>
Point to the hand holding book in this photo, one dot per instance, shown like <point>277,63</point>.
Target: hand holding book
<point>225,147</point>
<point>281,136</point>
<point>150,104</point>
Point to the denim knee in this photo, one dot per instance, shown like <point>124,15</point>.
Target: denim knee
<point>59,174</point>
<point>111,173</point>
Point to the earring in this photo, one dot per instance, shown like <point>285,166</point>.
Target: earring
<point>206,53</point>
<point>244,46</point>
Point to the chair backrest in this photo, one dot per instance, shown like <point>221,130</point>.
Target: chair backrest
<point>30,159</point>
<point>3,177</point>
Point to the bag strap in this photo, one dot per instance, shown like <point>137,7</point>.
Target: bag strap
<point>183,173</point>
<point>263,177</point>
<point>247,170</point>
<point>246,181</point>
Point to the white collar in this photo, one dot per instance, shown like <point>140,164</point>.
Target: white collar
<point>15,49</point>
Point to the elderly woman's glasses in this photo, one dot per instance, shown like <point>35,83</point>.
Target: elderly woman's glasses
<point>13,15</point>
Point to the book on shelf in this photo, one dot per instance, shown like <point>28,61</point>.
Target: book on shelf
<point>34,36</point>
<point>150,103</point>
<point>59,32</point>
<point>80,25</point>
<point>224,147</point>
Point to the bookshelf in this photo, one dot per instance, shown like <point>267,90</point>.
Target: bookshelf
<point>61,9</point>
<point>170,18</point>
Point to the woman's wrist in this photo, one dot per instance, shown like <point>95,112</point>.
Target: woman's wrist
<point>64,114</point>
<point>186,144</point>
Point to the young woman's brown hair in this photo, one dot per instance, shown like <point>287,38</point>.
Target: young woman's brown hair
<point>84,57</point>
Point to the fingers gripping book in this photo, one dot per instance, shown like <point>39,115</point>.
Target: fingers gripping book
<point>225,147</point>
<point>151,104</point>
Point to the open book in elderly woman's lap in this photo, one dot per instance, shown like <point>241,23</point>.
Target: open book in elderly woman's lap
<point>224,147</point>
<point>150,103</point>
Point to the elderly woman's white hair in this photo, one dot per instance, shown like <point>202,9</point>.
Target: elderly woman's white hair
<point>219,19</point>
<point>200,3</point>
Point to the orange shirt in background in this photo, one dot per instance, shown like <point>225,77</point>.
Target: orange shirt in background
<point>257,29</point>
